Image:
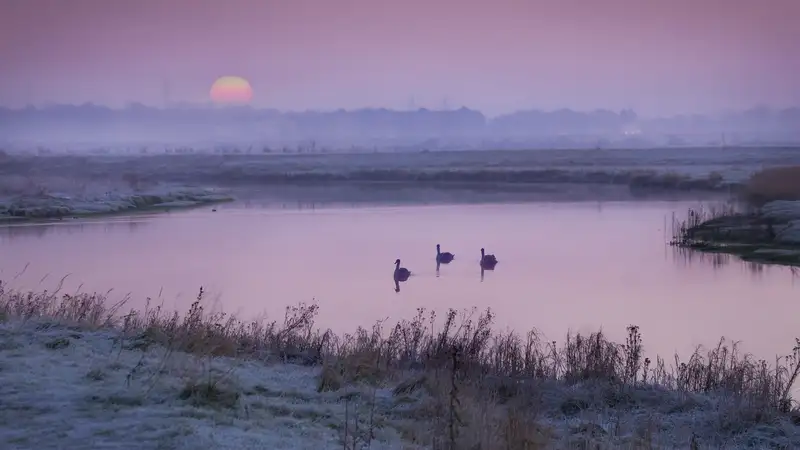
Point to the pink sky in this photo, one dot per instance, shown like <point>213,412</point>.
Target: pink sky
<point>496,55</point>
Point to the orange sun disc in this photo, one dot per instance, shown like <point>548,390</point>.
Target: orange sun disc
<point>231,89</point>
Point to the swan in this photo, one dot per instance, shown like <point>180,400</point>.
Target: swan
<point>487,260</point>
<point>443,257</point>
<point>400,273</point>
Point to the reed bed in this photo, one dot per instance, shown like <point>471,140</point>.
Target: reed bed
<point>739,221</point>
<point>421,343</point>
<point>684,229</point>
<point>773,183</point>
<point>763,186</point>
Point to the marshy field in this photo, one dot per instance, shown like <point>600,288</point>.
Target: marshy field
<point>168,328</point>
<point>72,182</point>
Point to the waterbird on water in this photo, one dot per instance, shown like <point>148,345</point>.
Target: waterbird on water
<point>400,273</point>
<point>443,257</point>
<point>487,261</point>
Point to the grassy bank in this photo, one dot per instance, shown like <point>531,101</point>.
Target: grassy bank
<point>47,206</point>
<point>79,370</point>
<point>763,227</point>
<point>518,170</point>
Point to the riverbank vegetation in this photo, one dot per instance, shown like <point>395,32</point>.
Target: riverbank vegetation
<point>774,183</point>
<point>763,224</point>
<point>45,205</point>
<point>427,382</point>
<point>490,170</point>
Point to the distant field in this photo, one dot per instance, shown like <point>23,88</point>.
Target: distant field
<point>696,169</point>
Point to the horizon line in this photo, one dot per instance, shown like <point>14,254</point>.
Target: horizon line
<point>212,106</point>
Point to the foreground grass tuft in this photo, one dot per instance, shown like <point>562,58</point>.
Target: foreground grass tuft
<point>455,382</point>
<point>209,394</point>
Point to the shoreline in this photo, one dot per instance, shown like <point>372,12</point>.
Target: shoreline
<point>204,379</point>
<point>397,177</point>
<point>769,234</point>
<point>386,194</point>
<point>49,209</point>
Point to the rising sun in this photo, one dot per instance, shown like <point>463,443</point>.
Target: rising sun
<point>231,90</point>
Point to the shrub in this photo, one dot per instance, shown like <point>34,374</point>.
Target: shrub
<point>774,183</point>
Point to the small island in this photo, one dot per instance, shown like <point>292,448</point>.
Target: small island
<point>761,225</point>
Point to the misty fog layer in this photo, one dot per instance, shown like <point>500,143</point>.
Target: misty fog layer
<point>70,127</point>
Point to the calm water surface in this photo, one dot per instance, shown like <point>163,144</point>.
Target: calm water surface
<point>562,266</point>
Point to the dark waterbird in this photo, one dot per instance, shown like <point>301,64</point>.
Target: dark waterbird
<point>443,257</point>
<point>487,261</point>
<point>400,274</point>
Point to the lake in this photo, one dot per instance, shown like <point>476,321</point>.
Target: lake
<point>562,265</point>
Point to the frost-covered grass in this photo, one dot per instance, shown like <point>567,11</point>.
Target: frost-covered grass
<point>47,205</point>
<point>73,387</point>
<point>32,189</point>
<point>763,226</point>
<point>78,373</point>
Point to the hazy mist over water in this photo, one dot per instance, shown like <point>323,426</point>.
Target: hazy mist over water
<point>141,129</point>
